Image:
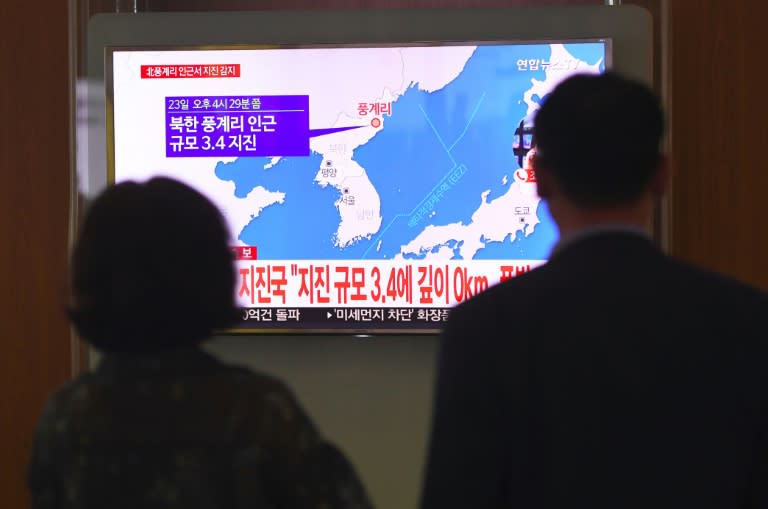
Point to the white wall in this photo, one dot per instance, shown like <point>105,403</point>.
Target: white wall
<point>370,396</point>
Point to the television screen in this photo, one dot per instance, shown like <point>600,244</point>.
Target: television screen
<point>366,188</point>
<point>373,165</point>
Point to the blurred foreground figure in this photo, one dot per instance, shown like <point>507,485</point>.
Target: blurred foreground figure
<point>160,423</point>
<point>613,376</point>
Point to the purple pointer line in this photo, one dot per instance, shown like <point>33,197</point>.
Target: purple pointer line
<point>330,130</point>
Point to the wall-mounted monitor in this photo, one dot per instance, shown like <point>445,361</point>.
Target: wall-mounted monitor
<point>372,166</point>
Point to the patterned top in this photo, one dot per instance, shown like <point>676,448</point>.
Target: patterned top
<point>182,430</point>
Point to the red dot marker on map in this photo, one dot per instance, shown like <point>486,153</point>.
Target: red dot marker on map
<point>376,122</point>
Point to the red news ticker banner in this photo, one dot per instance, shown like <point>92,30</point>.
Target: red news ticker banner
<point>190,71</point>
<point>365,283</point>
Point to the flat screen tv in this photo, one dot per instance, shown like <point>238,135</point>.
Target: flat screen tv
<point>372,166</point>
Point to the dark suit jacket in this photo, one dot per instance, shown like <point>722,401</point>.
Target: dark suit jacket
<point>611,377</point>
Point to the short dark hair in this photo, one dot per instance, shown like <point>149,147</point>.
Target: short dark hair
<point>599,136</point>
<point>152,269</point>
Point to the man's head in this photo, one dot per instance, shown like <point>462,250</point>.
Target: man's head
<point>598,141</point>
<point>152,268</point>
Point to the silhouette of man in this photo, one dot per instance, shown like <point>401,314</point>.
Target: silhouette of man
<point>613,376</point>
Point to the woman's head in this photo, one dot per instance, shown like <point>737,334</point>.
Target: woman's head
<point>152,269</point>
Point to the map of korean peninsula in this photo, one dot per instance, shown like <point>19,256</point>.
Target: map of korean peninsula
<point>403,153</point>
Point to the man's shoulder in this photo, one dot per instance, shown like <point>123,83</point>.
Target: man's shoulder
<point>706,283</point>
<point>694,298</point>
<point>660,277</point>
<point>503,299</point>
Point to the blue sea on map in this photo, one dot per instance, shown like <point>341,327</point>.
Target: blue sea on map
<point>469,123</point>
